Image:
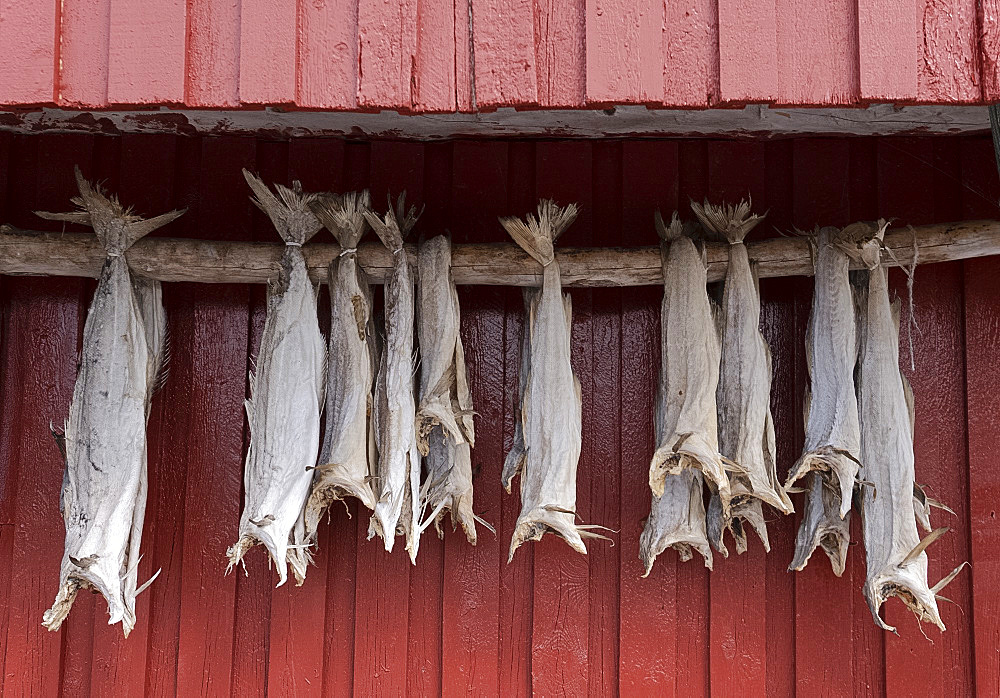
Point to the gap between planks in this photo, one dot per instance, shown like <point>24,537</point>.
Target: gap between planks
<point>32,253</point>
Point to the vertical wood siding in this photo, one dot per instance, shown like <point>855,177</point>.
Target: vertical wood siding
<point>463,620</point>
<point>467,55</point>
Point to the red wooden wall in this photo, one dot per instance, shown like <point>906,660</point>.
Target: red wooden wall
<point>462,620</point>
<point>464,55</point>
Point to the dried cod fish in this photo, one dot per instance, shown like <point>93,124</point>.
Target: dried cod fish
<point>286,395</point>
<point>445,432</point>
<point>686,421</point>
<point>397,510</point>
<point>746,430</point>
<point>896,561</point>
<point>103,499</point>
<point>830,457</point>
<point>551,407</point>
<point>347,454</point>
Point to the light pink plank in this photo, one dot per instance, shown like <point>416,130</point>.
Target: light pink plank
<point>328,55</point>
<point>947,68</point>
<point>463,56</point>
<point>213,50</point>
<point>85,28</point>
<point>435,74</point>
<point>989,49</point>
<point>748,54</point>
<point>887,56</point>
<point>691,53</point>
<point>387,40</point>
<point>624,43</point>
<point>146,51</point>
<point>267,51</point>
<point>28,33</point>
<point>504,46</point>
<point>823,69</point>
<point>560,52</point>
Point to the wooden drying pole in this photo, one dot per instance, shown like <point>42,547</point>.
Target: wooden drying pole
<point>24,252</point>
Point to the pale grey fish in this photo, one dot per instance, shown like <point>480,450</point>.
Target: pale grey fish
<point>445,432</point>
<point>103,499</point>
<point>397,510</point>
<point>896,561</point>
<point>286,395</point>
<point>746,431</point>
<point>685,420</point>
<point>346,461</point>
<point>551,407</point>
<point>514,462</point>
<point>833,436</point>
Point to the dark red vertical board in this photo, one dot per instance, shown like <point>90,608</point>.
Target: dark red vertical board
<point>561,613</point>
<point>823,603</point>
<point>982,375</point>
<point>474,578</point>
<point>907,171</point>
<point>648,621</point>
<point>214,460</point>
<point>48,312</point>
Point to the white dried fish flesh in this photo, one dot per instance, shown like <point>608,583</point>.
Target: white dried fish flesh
<point>286,395</point>
<point>896,561</point>
<point>746,432</point>
<point>551,406</point>
<point>445,432</point>
<point>685,420</point>
<point>346,458</point>
<point>103,498</point>
<point>833,436</point>
<point>397,510</point>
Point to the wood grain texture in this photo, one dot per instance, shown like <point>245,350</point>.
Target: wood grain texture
<point>886,59</point>
<point>989,49</point>
<point>948,55</point>
<point>146,58</point>
<point>387,48</point>
<point>268,51</point>
<point>748,54</point>
<point>84,36</point>
<point>824,68</point>
<point>213,53</point>
<point>503,42</point>
<point>560,52</point>
<point>328,55</point>
<point>28,33</point>
<point>623,47</point>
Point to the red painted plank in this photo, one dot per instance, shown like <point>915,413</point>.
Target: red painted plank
<point>146,56</point>
<point>748,55</point>
<point>560,52</point>
<point>989,48</point>
<point>982,377</point>
<point>887,55</point>
<point>213,54</point>
<point>503,43</point>
<point>462,17</point>
<point>948,59</point>
<point>690,51</point>
<point>440,66</point>
<point>28,33</point>
<point>327,55</point>
<point>649,628</point>
<point>268,43</point>
<point>84,33</point>
<point>561,614</point>
<point>625,42</point>
<point>824,69</point>
<point>387,46</point>
<point>212,500</point>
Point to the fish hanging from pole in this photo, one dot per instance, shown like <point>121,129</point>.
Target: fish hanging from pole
<point>895,554</point>
<point>103,500</point>
<point>547,454</point>
<point>397,509</point>
<point>445,432</point>
<point>746,429</point>
<point>831,455</point>
<point>685,421</point>
<point>347,455</point>
<point>286,395</point>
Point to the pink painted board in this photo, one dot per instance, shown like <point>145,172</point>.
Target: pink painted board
<point>28,34</point>
<point>624,42</point>
<point>947,52</point>
<point>560,52</point>
<point>989,49</point>
<point>504,46</point>
<point>146,55</point>
<point>748,56</point>
<point>462,14</point>
<point>387,44</point>
<point>213,53</point>
<point>268,51</point>
<point>886,55</point>
<point>328,55</point>
<point>817,52</point>
<point>690,51</point>
<point>435,70</point>
<point>84,32</point>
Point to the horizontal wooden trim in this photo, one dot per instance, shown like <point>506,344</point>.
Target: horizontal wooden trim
<point>25,252</point>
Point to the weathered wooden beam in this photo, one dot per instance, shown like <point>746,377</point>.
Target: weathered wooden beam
<point>25,252</point>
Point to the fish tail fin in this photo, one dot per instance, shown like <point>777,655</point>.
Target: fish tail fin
<point>731,222</point>
<point>289,211</point>
<point>343,215</point>
<point>395,225</point>
<point>537,235</point>
<point>668,233</point>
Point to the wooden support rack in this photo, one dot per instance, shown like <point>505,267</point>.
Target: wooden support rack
<point>24,252</point>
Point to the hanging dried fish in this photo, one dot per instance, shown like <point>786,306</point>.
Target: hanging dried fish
<point>551,407</point>
<point>833,436</point>
<point>686,422</point>
<point>347,454</point>
<point>896,561</point>
<point>286,395</point>
<point>445,433</point>
<point>746,431</point>
<point>397,510</point>
<point>103,499</point>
